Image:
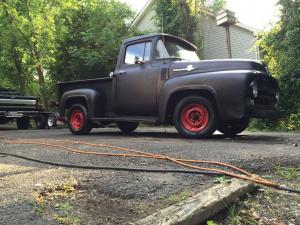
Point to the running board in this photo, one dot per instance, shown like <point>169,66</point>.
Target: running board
<point>142,119</point>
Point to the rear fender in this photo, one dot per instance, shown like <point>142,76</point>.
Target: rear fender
<point>93,101</point>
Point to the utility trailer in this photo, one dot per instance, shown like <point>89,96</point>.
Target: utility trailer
<point>21,109</point>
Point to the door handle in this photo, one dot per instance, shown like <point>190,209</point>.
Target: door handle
<point>119,73</point>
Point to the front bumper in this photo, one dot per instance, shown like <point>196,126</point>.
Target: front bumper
<point>265,113</point>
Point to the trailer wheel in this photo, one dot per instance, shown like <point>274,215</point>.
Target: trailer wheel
<point>51,120</point>
<point>78,121</point>
<point>40,122</point>
<point>232,128</point>
<point>127,127</point>
<point>195,117</point>
<point>23,123</point>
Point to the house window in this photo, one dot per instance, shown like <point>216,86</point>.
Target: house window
<point>138,52</point>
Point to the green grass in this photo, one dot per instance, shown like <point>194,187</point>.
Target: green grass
<point>179,197</point>
<point>287,172</point>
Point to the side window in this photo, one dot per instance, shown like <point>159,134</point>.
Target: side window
<point>139,52</point>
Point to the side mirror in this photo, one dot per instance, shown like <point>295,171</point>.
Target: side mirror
<point>138,61</point>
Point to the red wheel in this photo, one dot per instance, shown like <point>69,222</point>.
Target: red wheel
<point>195,117</point>
<point>78,121</point>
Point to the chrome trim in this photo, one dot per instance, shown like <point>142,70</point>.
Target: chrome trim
<point>189,68</point>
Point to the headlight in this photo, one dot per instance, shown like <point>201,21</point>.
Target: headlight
<point>277,95</point>
<point>254,89</point>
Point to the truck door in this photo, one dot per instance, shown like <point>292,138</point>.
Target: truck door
<point>136,80</point>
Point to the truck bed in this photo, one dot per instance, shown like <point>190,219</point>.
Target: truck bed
<point>101,85</point>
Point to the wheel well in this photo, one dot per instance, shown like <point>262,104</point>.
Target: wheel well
<point>75,100</point>
<point>177,96</point>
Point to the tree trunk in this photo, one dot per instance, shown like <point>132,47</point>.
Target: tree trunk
<point>18,64</point>
<point>42,86</point>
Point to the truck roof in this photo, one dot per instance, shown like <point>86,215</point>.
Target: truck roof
<point>152,35</point>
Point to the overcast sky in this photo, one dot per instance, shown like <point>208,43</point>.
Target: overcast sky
<point>256,13</point>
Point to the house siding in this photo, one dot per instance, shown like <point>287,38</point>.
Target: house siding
<point>242,43</point>
<point>147,23</point>
<point>213,39</point>
<point>213,36</point>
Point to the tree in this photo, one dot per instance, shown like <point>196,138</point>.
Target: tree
<point>90,47</point>
<point>281,51</point>
<point>182,17</point>
<point>32,33</point>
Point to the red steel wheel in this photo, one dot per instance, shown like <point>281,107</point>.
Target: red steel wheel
<point>194,117</point>
<point>78,120</point>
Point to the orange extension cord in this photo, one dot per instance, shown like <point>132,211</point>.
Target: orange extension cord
<point>135,153</point>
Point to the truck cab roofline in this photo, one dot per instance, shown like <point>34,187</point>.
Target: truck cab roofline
<point>153,35</point>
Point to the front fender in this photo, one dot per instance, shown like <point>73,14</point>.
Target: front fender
<point>228,88</point>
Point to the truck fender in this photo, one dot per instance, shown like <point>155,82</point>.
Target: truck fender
<point>168,93</point>
<point>93,100</point>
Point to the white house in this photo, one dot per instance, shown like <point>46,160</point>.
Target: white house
<point>214,36</point>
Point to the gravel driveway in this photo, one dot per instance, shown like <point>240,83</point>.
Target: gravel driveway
<point>116,197</point>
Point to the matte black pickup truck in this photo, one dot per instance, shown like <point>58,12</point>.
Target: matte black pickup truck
<point>159,79</point>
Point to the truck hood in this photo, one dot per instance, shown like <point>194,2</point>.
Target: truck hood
<point>183,67</point>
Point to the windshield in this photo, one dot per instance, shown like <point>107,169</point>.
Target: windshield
<point>175,50</point>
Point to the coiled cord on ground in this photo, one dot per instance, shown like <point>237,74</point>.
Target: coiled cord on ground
<point>244,175</point>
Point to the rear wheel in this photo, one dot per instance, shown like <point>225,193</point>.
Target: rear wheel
<point>195,117</point>
<point>51,120</point>
<point>232,128</point>
<point>78,121</point>
<point>23,123</point>
<point>127,127</point>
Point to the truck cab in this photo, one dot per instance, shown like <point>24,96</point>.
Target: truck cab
<point>160,79</point>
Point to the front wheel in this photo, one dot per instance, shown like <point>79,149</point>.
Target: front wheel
<point>195,117</point>
<point>127,127</point>
<point>232,128</point>
<point>78,121</point>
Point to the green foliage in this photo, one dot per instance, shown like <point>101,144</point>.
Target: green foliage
<point>182,17</point>
<point>90,47</point>
<point>281,51</point>
<point>216,5</point>
<point>210,222</point>
<point>47,41</point>
<point>179,18</point>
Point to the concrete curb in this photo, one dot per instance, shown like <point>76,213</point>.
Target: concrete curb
<point>201,206</point>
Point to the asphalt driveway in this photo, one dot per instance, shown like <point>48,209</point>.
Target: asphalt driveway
<point>116,197</point>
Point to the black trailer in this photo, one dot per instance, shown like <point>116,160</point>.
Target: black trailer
<point>21,109</point>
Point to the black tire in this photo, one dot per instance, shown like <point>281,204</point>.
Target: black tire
<point>41,122</point>
<point>51,120</point>
<point>232,128</point>
<point>23,123</point>
<point>204,121</point>
<point>78,121</point>
<point>127,127</point>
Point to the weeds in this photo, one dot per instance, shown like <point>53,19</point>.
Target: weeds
<point>45,202</point>
<point>176,198</point>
